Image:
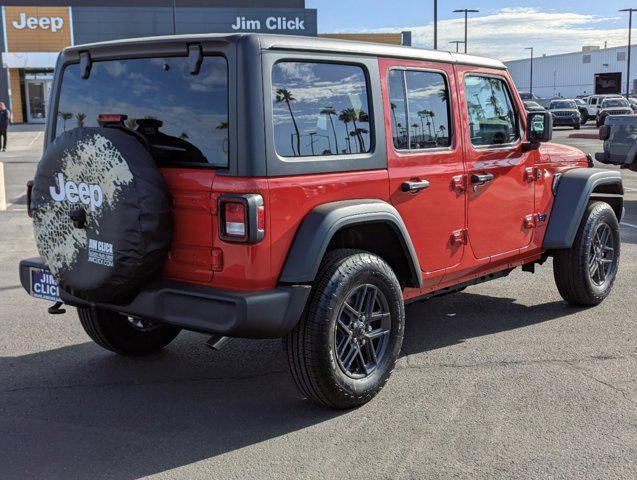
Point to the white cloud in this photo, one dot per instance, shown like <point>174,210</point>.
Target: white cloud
<point>505,33</point>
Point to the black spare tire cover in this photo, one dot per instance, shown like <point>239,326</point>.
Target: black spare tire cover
<point>101,214</point>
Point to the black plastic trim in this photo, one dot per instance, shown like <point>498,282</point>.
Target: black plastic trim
<point>320,225</point>
<point>573,193</point>
<point>232,313</point>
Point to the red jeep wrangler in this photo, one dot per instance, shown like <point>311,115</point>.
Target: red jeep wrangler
<point>272,186</point>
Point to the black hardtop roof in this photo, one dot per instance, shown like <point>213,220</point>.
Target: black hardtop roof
<point>305,43</point>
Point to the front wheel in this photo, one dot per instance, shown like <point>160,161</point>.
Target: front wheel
<point>576,127</point>
<point>123,334</point>
<point>585,273</point>
<point>344,349</point>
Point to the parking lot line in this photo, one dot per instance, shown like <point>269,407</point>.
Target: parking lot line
<point>628,224</point>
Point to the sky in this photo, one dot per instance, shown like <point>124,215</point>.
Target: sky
<point>502,29</point>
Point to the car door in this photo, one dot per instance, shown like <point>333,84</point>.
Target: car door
<point>500,198</point>
<point>424,156</point>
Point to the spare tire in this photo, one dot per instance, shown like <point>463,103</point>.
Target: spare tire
<point>101,214</point>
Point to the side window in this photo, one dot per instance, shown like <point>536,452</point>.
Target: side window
<point>398,105</point>
<point>492,117</point>
<point>320,109</point>
<point>593,101</point>
<point>420,115</point>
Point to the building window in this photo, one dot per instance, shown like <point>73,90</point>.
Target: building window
<point>492,117</point>
<point>320,109</point>
<point>621,56</point>
<point>586,59</point>
<point>420,118</point>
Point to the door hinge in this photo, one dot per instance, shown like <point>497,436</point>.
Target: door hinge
<point>202,257</point>
<point>532,174</point>
<point>459,183</point>
<point>459,237</point>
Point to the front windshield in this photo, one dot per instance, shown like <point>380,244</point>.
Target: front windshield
<point>615,102</point>
<point>531,104</point>
<point>562,105</point>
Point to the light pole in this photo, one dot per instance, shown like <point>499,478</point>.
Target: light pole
<point>531,80</point>
<point>174,17</point>
<point>435,24</point>
<point>466,12</point>
<point>457,43</point>
<point>630,31</point>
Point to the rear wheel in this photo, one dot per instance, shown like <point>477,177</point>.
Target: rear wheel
<point>576,127</point>
<point>585,273</point>
<point>343,350</point>
<point>123,334</point>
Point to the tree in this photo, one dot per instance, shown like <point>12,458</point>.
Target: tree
<point>65,116</point>
<point>329,111</point>
<point>80,118</point>
<point>392,105</point>
<point>345,117</point>
<point>284,95</point>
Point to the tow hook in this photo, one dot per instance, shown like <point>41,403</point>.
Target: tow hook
<point>55,309</point>
<point>217,342</point>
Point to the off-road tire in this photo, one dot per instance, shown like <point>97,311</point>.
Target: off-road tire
<point>113,331</point>
<point>571,266</point>
<point>310,347</point>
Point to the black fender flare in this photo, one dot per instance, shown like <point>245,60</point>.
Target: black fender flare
<point>574,189</point>
<point>319,226</point>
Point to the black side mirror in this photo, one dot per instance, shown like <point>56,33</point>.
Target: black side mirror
<point>539,128</point>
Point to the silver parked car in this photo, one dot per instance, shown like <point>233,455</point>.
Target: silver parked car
<point>620,142</point>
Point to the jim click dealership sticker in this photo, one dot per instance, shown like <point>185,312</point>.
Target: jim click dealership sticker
<point>44,286</point>
<point>100,252</point>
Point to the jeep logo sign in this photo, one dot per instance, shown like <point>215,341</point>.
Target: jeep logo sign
<point>33,23</point>
<point>87,194</point>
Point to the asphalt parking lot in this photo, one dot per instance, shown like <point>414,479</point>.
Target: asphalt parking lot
<point>502,380</point>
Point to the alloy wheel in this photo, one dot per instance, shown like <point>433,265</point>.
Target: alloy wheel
<point>361,333</point>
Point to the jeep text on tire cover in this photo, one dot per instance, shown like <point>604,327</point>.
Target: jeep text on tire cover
<point>306,194</point>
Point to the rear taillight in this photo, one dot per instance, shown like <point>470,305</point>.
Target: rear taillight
<point>29,192</point>
<point>241,218</point>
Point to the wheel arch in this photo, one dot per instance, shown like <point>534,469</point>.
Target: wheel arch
<point>367,224</point>
<point>575,189</point>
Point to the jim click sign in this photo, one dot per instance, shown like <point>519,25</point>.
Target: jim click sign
<point>55,24</point>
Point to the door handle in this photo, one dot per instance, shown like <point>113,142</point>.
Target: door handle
<point>481,179</point>
<point>414,187</point>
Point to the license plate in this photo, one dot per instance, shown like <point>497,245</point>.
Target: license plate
<point>43,285</point>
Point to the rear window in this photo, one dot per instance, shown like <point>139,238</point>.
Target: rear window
<point>320,109</point>
<point>183,116</point>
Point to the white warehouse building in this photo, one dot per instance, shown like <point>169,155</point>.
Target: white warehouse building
<point>593,70</point>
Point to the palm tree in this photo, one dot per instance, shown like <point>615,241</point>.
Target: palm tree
<point>329,111</point>
<point>415,127</point>
<point>65,116</point>
<point>284,95</point>
<point>392,105</point>
<point>222,126</point>
<point>80,118</point>
<point>422,114</point>
<point>345,117</point>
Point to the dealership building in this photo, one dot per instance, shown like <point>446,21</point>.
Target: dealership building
<point>34,31</point>
<point>591,70</point>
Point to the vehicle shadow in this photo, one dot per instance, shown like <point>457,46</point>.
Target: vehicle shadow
<point>629,234</point>
<point>80,412</point>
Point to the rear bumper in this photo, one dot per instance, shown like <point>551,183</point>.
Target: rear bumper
<point>264,314</point>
